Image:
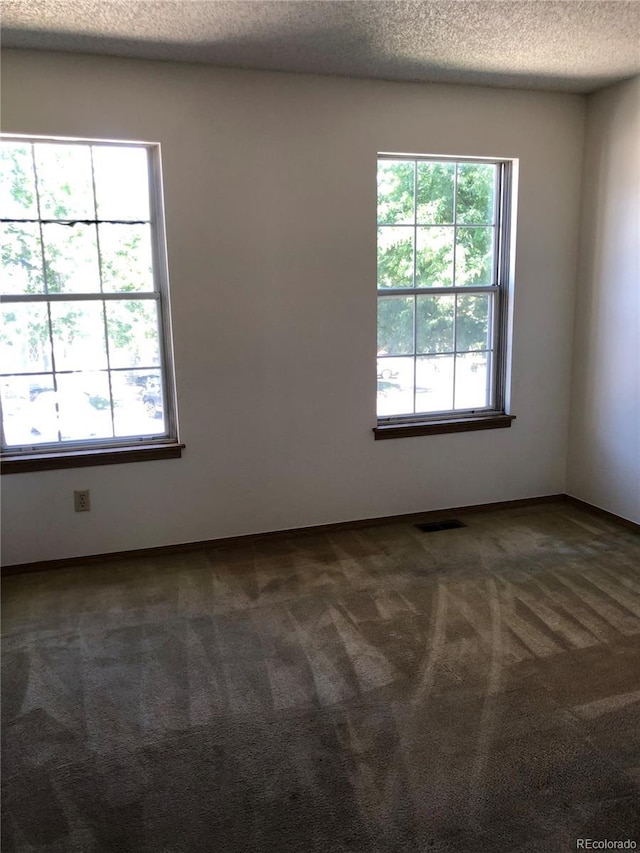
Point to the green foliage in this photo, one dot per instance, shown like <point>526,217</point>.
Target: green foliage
<point>17,184</point>
<point>472,326</point>
<point>434,257</point>
<point>435,193</point>
<point>474,256</point>
<point>435,324</point>
<point>395,325</point>
<point>69,262</point>
<point>475,194</point>
<point>396,187</point>
<point>395,257</point>
<point>21,258</point>
<point>445,197</point>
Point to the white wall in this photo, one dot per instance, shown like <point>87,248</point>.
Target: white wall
<point>604,457</point>
<point>270,207</point>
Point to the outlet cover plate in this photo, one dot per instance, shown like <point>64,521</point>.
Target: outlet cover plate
<point>81,500</point>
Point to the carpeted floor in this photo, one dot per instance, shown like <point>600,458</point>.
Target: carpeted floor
<point>373,691</point>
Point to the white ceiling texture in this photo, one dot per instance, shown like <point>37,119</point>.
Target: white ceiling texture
<point>561,45</point>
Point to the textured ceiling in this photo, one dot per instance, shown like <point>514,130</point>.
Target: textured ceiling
<point>564,45</point>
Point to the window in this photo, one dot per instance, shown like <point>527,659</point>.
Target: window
<point>443,272</point>
<point>85,355</point>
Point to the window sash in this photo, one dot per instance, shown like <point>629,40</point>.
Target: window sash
<point>498,289</point>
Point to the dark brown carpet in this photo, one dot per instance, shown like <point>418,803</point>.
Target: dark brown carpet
<point>381,690</point>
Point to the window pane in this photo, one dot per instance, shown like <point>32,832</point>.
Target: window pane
<point>78,335</point>
<point>21,258</point>
<point>18,393</point>
<point>43,417</point>
<point>84,406</point>
<point>71,258</point>
<point>395,386</point>
<point>125,254</point>
<point>472,322</point>
<point>474,256</point>
<point>395,257</point>
<point>132,326</point>
<point>17,181</point>
<point>434,259</point>
<point>435,324</point>
<point>434,383</point>
<point>435,193</point>
<point>122,182</point>
<point>138,403</point>
<point>472,391</point>
<point>396,180</point>
<point>476,191</point>
<point>395,325</point>
<point>25,346</point>
<point>64,181</point>
<point>68,413</point>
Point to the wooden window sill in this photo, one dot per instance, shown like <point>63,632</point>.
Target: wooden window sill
<point>23,463</point>
<point>437,427</point>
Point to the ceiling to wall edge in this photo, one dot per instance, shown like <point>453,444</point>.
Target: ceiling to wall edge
<point>576,47</point>
<point>505,84</point>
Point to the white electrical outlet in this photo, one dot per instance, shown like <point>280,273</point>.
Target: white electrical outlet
<point>81,500</point>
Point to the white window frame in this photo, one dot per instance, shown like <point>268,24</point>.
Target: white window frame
<point>495,415</point>
<point>98,451</point>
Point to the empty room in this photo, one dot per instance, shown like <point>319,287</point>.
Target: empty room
<point>320,397</point>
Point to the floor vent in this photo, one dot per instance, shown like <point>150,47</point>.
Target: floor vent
<point>433,526</point>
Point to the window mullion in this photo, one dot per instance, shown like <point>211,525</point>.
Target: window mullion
<point>70,222</point>
<point>45,279</point>
<point>104,304</point>
<point>438,291</point>
<point>118,295</point>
